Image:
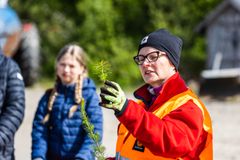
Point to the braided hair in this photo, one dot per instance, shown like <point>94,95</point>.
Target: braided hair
<point>80,55</point>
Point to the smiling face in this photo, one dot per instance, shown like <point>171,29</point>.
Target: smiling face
<point>155,73</point>
<point>68,68</point>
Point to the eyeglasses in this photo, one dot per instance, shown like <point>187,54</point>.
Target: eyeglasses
<point>151,57</point>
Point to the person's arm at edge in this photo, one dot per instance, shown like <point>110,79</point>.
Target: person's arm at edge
<point>14,104</point>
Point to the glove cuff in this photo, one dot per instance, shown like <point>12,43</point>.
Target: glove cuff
<point>119,113</point>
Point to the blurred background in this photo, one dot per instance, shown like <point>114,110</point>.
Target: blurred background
<point>111,30</point>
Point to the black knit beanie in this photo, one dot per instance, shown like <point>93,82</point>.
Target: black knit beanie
<point>166,42</point>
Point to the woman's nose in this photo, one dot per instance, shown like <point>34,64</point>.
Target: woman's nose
<point>146,62</point>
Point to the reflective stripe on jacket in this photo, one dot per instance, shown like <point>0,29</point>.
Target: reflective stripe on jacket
<point>129,148</point>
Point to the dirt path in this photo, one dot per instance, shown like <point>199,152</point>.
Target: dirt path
<point>225,118</point>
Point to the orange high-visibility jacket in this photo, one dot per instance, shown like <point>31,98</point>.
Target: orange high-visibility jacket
<point>129,147</point>
<point>126,141</point>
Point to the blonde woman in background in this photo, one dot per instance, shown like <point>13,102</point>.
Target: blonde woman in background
<point>57,127</point>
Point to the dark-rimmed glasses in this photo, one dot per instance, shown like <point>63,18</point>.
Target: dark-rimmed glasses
<point>151,57</point>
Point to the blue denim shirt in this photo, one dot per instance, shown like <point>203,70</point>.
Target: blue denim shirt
<point>9,23</point>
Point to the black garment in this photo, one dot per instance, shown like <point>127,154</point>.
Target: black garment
<point>12,105</point>
<point>163,40</point>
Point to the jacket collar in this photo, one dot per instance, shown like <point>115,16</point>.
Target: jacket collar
<point>61,88</point>
<point>173,86</point>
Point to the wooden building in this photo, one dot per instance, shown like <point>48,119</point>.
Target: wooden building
<point>222,30</point>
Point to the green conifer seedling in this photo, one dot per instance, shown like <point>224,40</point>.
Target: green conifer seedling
<point>89,128</point>
<point>102,69</point>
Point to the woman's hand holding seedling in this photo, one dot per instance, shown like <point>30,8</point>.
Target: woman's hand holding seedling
<point>112,96</point>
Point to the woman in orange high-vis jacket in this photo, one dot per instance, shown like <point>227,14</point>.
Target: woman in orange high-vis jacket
<point>169,121</point>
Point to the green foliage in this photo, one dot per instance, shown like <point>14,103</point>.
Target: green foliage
<point>102,69</point>
<point>111,30</point>
<point>89,128</point>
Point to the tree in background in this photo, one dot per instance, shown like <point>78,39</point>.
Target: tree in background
<point>111,30</point>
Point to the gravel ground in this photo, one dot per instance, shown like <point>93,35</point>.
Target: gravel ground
<point>224,113</point>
